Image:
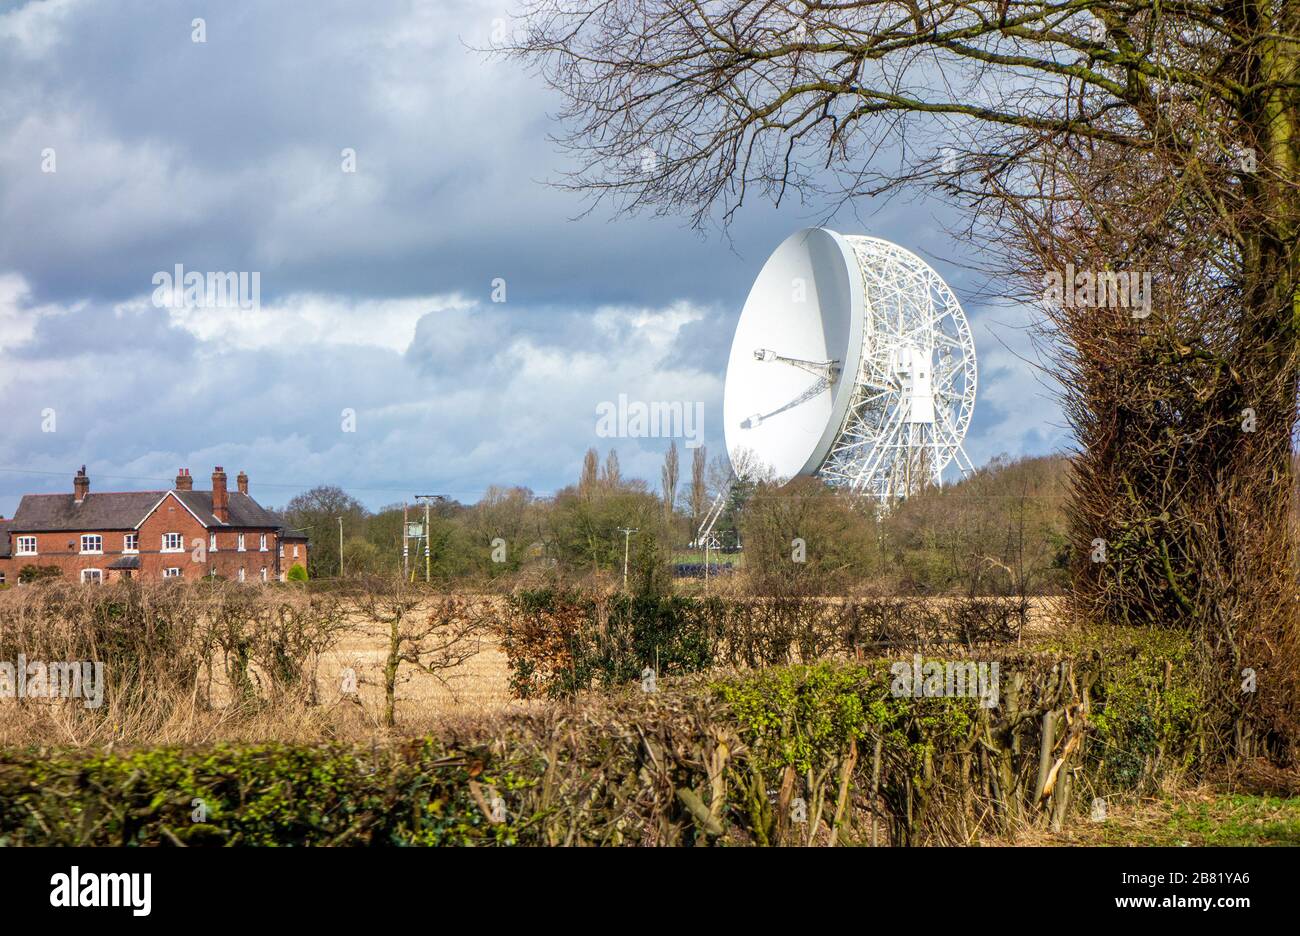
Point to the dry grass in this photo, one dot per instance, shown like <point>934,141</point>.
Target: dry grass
<point>205,709</point>
<point>1201,816</point>
<point>185,694</point>
<point>482,684</point>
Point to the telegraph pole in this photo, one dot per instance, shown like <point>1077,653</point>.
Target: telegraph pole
<point>340,520</point>
<point>427,499</point>
<point>406,575</point>
<point>627,539</point>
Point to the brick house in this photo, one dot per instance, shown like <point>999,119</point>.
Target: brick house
<point>150,534</point>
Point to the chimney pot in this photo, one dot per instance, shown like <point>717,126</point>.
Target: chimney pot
<point>241,481</point>
<point>220,499</point>
<point>81,485</point>
<point>184,480</point>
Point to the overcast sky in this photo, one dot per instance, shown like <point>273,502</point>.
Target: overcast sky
<point>376,285</point>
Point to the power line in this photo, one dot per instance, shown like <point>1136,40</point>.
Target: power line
<point>945,493</point>
<point>288,485</point>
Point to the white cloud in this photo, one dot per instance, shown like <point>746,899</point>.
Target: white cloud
<point>375,284</point>
<point>33,29</point>
<point>304,320</point>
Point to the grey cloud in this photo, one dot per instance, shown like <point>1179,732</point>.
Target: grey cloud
<point>226,156</point>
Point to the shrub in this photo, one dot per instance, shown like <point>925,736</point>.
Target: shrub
<point>719,760</point>
<point>561,641</point>
<point>38,573</point>
<point>297,573</point>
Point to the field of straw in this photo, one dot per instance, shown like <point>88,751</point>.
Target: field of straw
<point>348,703</point>
<point>481,684</point>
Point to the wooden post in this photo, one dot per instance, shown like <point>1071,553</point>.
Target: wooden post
<point>875,786</point>
<point>1045,745</point>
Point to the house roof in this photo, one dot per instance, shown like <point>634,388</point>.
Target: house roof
<point>126,510</point>
<point>38,513</point>
<point>4,538</point>
<point>244,511</point>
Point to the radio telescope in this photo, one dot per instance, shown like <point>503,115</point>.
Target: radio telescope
<point>853,361</point>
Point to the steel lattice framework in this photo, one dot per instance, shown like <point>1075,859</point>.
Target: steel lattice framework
<point>915,388</point>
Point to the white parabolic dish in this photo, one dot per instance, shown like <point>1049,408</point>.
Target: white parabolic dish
<point>852,359</point>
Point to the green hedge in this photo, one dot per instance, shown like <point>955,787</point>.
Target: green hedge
<point>562,641</point>
<point>705,760</point>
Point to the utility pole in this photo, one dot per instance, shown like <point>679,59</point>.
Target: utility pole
<point>340,520</point>
<point>405,549</point>
<point>627,539</point>
<point>427,499</point>
<point>706,566</point>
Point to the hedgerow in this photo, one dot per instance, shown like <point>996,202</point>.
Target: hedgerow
<point>820,754</point>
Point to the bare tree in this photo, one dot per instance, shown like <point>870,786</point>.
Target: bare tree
<point>699,487</point>
<point>1108,137</point>
<point>612,476</point>
<point>590,473</point>
<point>424,631</point>
<point>670,476</point>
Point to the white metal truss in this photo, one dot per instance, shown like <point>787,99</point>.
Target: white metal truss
<point>706,536</point>
<point>915,388</point>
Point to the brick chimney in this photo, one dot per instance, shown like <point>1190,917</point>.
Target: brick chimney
<point>220,499</point>
<point>81,485</point>
<point>241,482</point>
<point>184,480</point>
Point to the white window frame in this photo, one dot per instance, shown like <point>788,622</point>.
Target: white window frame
<point>92,577</point>
<point>20,546</point>
<point>131,543</point>
<point>261,543</point>
<point>241,573</point>
<point>172,572</point>
<point>264,578</point>
<point>239,543</point>
<point>295,552</point>
<point>94,538</point>
<point>180,543</point>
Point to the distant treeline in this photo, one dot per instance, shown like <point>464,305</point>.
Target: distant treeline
<point>1002,531</point>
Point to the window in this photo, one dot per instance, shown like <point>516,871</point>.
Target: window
<point>92,577</point>
<point>262,543</point>
<point>171,572</point>
<point>26,546</point>
<point>241,574</point>
<point>263,573</point>
<point>281,548</point>
<point>173,542</point>
<point>240,544</point>
<point>131,542</point>
<point>212,542</point>
<point>92,543</point>
<point>2,578</point>
<point>295,552</point>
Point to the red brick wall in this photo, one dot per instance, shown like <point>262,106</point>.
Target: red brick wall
<point>63,550</point>
<point>290,560</point>
<point>227,559</point>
